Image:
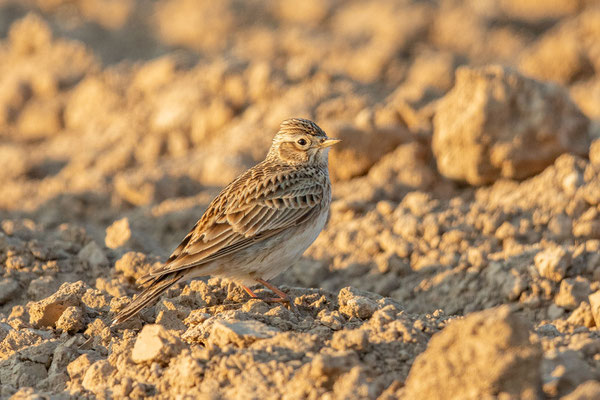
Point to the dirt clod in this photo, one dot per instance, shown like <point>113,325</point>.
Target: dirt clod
<point>48,311</point>
<point>155,344</point>
<point>494,334</point>
<point>490,126</point>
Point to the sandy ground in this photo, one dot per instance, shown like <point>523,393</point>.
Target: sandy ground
<point>462,259</point>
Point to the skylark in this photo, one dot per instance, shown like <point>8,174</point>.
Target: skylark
<point>260,223</point>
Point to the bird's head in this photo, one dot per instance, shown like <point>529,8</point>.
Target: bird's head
<point>300,141</point>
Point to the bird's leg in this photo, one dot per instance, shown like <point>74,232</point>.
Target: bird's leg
<point>283,297</point>
<point>250,292</point>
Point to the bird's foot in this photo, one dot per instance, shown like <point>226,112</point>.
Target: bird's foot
<point>282,296</point>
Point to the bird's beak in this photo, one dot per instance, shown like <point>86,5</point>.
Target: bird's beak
<point>328,142</point>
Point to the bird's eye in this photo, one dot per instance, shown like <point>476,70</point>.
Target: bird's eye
<point>302,142</point>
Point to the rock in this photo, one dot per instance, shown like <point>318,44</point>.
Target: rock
<point>487,354</point>
<point>588,225</point>
<point>556,44</point>
<point>170,320</point>
<point>586,229</point>
<point>240,333</point>
<point>582,316</point>
<point>79,112</point>
<point>555,312</point>
<point>328,367</point>
<point>409,167</point>
<point>496,123</point>
<point>71,320</point>
<point>205,122</point>
<point>133,264</point>
<point>154,74</point>
<point>39,119</point>
<point>24,393</point>
<point>552,263</point>
<point>595,153</point>
<point>331,319</point>
<point>591,191</point>
<point>532,11</point>
<point>93,255</point>
<point>572,292</point>
<point>4,330</point>
<point>569,42</point>
<point>354,339</point>
<point>96,376</point>
<point>8,289</point>
<point>117,234</point>
<point>13,161</point>
<point>40,353</point>
<point>356,303</point>
<point>21,373</point>
<point>29,35</point>
<point>155,344</point>
<point>78,367</point>
<point>15,339</point>
<point>47,312</point>
<point>62,356</point>
<point>120,235</point>
<point>560,226</point>
<point>594,299</point>
<point>360,149</point>
<point>564,371</point>
<point>589,390</point>
<point>42,287</point>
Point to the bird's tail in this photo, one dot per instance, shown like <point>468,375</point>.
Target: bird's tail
<point>156,287</point>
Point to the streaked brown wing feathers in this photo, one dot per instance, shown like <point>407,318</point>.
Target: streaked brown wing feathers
<point>243,215</point>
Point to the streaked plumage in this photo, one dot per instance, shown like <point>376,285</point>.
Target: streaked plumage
<point>260,223</point>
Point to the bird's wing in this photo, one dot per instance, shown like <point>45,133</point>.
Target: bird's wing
<point>259,204</point>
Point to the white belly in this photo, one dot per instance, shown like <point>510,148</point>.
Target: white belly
<point>285,254</point>
<point>275,256</point>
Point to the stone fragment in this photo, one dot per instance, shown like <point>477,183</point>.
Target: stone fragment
<point>78,367</point>
<point>46,312</point>
<point>360,149</point>
<point>589,390</point>
<point>133,264</point>
<point>572,292</point>
<point>96,376</point>
<point>71,320</point>
<point>356,303</point>
<point>170,320</point>
<point>331,319</point>
<point>552,263</point>
<point>555,312</point>
<point>594,300</point>
<point>354,339</point>
<point>21,373</point>
<point>582,315</point>
<point>495,123</point>
<point>93,255</point>
<point>42,287</point>
<point>155,344</point>
<point>595,153</point>
<point>8,290</point>
<point>240,333</point>
<point>486,355</point>
<point>563,371</point>
<point>118,233</point>
<point>29,35</point>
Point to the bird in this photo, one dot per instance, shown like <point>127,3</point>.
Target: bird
<point>259,224</point>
